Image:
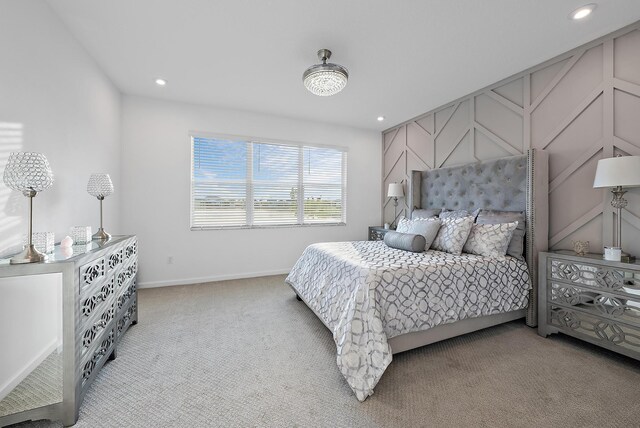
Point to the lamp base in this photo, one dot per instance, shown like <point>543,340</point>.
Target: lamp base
<point>28,255</point>
<point>101,235</point>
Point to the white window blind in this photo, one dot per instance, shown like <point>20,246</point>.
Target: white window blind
<point>244,183</point>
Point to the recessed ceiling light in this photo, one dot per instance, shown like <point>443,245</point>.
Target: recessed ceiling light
<point>380,118</point>
<point>582,12</point>
<point>161,82</point>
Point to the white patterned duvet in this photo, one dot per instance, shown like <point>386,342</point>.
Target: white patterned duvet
<point>366,293</point>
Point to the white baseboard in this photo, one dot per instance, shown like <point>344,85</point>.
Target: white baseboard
<point>189,281</point>
<point>10,384</point>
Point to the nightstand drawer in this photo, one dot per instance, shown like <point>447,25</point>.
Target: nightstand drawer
<point>610,305</point>
<point>618,337</point>
<point>594,275</point>
<point>377,233</point>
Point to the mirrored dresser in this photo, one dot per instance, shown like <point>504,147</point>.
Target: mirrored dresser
<point>60,321</point>
<point>591,299</point>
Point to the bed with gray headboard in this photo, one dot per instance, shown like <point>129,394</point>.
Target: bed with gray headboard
<point>379,301</point>
<point>515,183</point>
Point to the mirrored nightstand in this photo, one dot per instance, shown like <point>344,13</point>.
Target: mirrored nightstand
<point>376,233</point>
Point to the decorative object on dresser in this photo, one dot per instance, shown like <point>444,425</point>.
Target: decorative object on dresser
<point>619,172</point>
<point>581,247</point>
<point>28,173</point>
<point>376,233</point>
<point>100,186</point>
<point>591,299</point>
<point>395,191</point>
<point>81,234</point>
<point>42,241</point>
<point>97,304</point>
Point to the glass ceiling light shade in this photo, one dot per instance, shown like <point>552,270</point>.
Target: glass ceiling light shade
<point>100,186</point>
<point>28,173</point>
<point>325,79</point>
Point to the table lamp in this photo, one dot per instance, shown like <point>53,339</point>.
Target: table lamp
<point>100,186</point>
<point>395,191</point>
<point>618,173</point>
<point>28,173</point>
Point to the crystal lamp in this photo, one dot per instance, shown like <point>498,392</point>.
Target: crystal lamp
<point>395,191</point>
<point>100,186</point>
<point>325,79</point>
<point>28,173</point>
<point>618,173</point>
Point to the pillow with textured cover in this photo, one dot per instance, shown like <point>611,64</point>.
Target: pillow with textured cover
<point>490,240</point>
<point>429,213</point>
<point>453,234</point>
<point>458,213</point>
<point>404,241</point>
<point>427,227</point>
<point>516,245</point>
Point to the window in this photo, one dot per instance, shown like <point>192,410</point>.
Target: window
<point>238,182</point>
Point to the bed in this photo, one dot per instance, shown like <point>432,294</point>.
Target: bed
<point>379,301</point>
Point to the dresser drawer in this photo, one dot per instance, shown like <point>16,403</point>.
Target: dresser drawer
<point>127,317</point>
<point>95,299</point>
<point>123,300</point>
<point>92,362</point>
<point>115,259</point>
<point>611,305</point>
<point>95,327</point>
<point>92,273</point>
<point>619,337</point>
<point>594,275</point>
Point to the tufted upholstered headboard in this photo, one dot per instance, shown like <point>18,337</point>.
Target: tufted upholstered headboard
<point>515,183</point>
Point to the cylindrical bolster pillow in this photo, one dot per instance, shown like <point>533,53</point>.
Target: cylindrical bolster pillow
<point>405,241</point>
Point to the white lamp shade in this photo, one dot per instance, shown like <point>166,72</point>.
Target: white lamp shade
<point>395,190</point>
<point>100,185</point>
<point>619,171</point>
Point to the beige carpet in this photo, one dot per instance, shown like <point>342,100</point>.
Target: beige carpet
<point>246,354</point>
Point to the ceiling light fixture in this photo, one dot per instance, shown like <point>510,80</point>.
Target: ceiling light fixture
<point>325,79</point>
<point>380,118</point>
<point>161,82</point>
<point>582,12</point>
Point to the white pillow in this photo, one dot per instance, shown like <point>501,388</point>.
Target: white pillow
<point>490,240</point>
<point>453,234</point>
<point>427,227</point>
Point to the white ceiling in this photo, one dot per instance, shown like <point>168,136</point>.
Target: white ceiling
<point>404,57</point>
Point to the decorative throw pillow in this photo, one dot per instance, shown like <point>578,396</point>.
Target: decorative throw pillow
<point>403,225</point>
<point>453,234</point>
<point>490,240</point>
<point>404,241</point>
<point>459,214</point>
<point>516,245</point>
<point>427,227</point>
<point>428,213</point>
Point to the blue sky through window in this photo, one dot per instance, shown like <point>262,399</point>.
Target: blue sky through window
<point>222,164</point>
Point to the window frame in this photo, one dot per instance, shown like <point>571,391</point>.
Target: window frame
<point>249,196</point>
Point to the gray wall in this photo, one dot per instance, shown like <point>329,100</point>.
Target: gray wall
<point>580,107</point>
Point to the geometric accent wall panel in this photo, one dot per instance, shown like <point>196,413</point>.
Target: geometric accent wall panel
<point>579,107</point>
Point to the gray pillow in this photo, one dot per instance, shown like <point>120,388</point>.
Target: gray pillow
<point>453,234</point>
<point>516,245</point>
<point>405,241</point>
<point>489,240</point>
<point>427,227</point>
<point>458,213</point>
<point>434,212</point>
